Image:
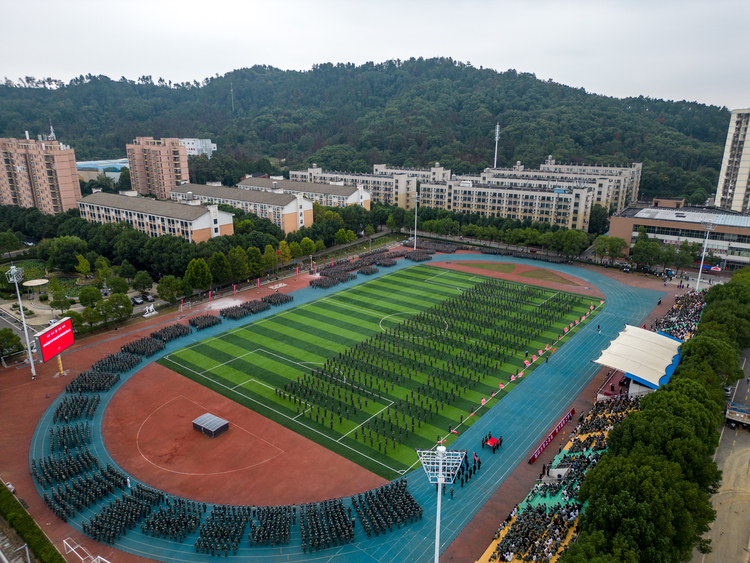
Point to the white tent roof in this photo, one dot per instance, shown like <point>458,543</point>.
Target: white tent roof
<point>641,353</point>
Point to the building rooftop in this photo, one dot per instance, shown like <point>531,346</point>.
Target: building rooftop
<point>223,192</point>
<point>147,205</point>
<point>689,215</point>
<point>309,187</point>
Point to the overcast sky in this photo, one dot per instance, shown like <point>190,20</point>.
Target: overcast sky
<point>695,50</point>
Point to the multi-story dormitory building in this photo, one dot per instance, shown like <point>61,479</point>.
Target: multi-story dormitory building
<point>394,189</point>
<point>287,211</point>
<point>329,195</point>
<point>195,223</point>
<point>157,165</point>
<point>733,191</point>
<point>39,174</point>
<point>561,194</point>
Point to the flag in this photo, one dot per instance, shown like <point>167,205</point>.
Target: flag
<point>441,441</point>
<point>565,329</point>
<point>591,308</point>
<point>546,347</point>
<point>520,374</point>
<point>454,431</point>
<point>297,270</point>
<point>553,350</point>
<point>592,303</point>
<point>209,295</point>
<point>475,456</point>
<point>258,283</point>
<point>484,400</point>
<point>493,394</point>
<point>502,385</point>
<point>527,363</point>
<point>277,251</point>
<point>571,325</point>
<point>576,321</point>
<point>601,302</point>
<point>533,357</point>
<point>541,352</point>
<point>512,377</point>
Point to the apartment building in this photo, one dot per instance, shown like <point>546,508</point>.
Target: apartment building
<point>329,195</point>
<point>195,223</point>
<point>732,192</point>
<point>287,211</point>
<point>197,147</point>
<point>157,165</point>
<point>39,174</point>
<point>434,174</point>
<point>394,189</point>
<point>569,207</point>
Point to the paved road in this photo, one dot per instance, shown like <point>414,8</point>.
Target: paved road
<point>729,534</point>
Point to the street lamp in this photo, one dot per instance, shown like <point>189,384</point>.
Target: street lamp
<point>441,466</point>
<point>15,275</point>
<point>708,226</point>
<point>416,205</point>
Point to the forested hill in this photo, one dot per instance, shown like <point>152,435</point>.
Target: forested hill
<point>404,113</point>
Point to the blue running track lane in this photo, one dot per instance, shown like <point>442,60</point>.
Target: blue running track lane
<point>522,417</point>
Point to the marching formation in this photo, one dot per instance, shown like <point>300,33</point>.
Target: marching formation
<point>171,332</point>
<point>276,299</point>
<point>237,312</point>
<point>201,322</point>
<point>146,346</point>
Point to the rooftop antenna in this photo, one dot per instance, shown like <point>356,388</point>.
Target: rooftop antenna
<point>231,90</point>
<point>497,138</point>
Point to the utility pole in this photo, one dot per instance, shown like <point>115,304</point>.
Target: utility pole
<point>231,90</point>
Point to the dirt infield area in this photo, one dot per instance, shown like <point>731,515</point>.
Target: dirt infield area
<point>148,431</point>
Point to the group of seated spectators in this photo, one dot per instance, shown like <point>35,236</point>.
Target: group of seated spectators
<point>682,318</point>
<point>276,299</point>
<point>542,526</point>
<point>237,312</point>
<point>201,322</point>
<point>145,346</point>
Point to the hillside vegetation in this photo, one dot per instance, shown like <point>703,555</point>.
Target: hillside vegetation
<point>404,113</point>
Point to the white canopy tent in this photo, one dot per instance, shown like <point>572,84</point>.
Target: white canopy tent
<point>646,357</point>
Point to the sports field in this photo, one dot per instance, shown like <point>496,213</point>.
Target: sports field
<point>376,370</point>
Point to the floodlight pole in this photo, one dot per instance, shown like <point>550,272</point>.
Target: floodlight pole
<point>15,275</point>
<point>441,479</point>
<point>708,226</point>
<point>416,205</point>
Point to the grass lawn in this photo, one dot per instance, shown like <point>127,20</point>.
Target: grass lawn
<point>495,267</point>
<point>546,275</point>
<point>410,352</point>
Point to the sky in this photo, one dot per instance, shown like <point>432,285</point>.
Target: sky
<point>694,50</point>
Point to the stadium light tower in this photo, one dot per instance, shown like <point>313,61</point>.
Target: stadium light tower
<point>708,226</point>
<point>15,275</point>
<point>441,467</point>
<point>416,206</point>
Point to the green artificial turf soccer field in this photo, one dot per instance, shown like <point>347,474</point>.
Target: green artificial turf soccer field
<point>398,379</point>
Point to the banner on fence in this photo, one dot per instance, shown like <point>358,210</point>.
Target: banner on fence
<point>548,440</point>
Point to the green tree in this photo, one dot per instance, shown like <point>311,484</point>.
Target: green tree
<point>126,270</point>
<point>76,321</point>
<point>198,274</point>
<point>340,237</point>
<point>88,296</point>
<point>118,285</point>
<point>104,310</point>
<point>9,242</point>
<point>295,250</point>
<point>684,258</point>
<point>667,256</point>
<point>10,342</point>
<point>244,227</point>
<point>320,245</point>
<point>598,220</point>
<point>269,257</point>
<point>221,269</point>
<point>64,251</point>
<point>600,246</point>
<point>255,262</point>
<point>123,184</point>
<point>168,289</point>
<point>284,252</point>
<point>391,224</point>
<point>238,264</point>
<point>84,266</point>
<point>142,282</point>
<point>350,236</point>
<point>121,307</point>
<point>369,231</point>
<point>91,315</point>
<point>615,246</point>
<point>307,246</point>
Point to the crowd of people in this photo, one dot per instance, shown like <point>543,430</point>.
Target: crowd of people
<point>237,312</point>
<point>368,270</point>
<point>434,246</point>
<point>93,381</point>
<point>382,508</point>
<point>554,259</point>
<point>683,317</point>
<point>201,322</point>
<point>174,521</point>
<point>276,299</point>
<point>73,407</point>
<point>543,525</point>
<point>325,282</point>
<point>69,436</point>
<point>122,514</point>
<point>117,363</point>
<point>171,332</point>
<point>146,346</point>
<point>57,468</point>
<point>419,256</point>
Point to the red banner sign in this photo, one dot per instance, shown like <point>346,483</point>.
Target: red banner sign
<point>548,440</point>
<point>55,339</point>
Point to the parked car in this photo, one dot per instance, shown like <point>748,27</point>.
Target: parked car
<point>148,297</point>
<point>136,300</point>
<point>728,391</point>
